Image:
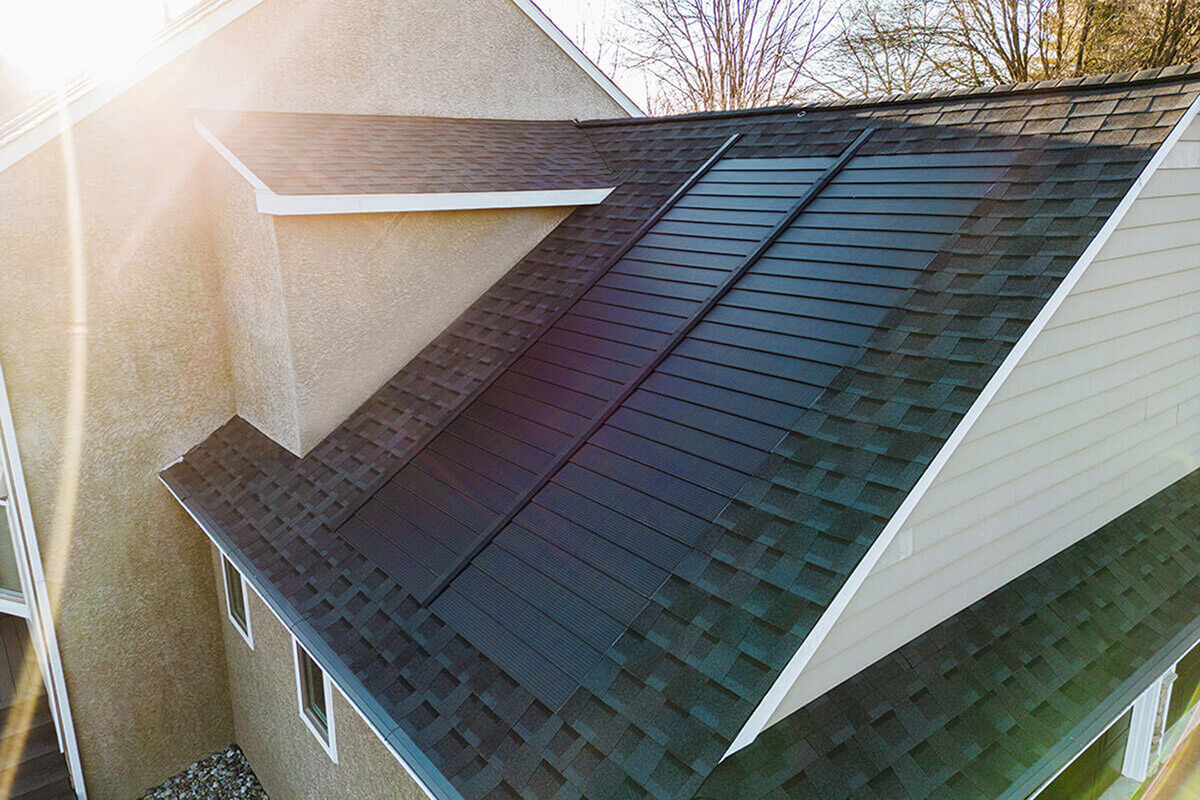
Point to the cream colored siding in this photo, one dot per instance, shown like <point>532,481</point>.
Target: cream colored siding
<point>1102,412</point>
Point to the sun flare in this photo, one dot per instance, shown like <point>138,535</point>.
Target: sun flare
<point>48,41</point>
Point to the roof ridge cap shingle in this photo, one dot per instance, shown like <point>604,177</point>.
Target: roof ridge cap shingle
<point>1130,78</point>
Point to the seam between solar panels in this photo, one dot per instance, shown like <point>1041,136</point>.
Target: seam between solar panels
<point>646,370</point>
<point>502,368</point>
<point>536,336</point>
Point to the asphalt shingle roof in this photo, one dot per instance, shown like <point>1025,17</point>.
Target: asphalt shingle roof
<point>306,154</point>
<point>988,704</point>
<point>751,468</point>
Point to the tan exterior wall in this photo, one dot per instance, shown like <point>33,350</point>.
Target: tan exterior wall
<point>466,58</point>
<point>138,324</point>
<point>365,292</point>
<point>1102,412</point>
<point>284,754</point>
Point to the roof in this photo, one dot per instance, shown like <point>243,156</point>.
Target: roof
<point>360,154</point>
<point>42,121</point>
<point>977,707</point>
<point>569,547</point>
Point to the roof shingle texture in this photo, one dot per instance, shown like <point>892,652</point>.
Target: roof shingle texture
<point>657,709</point>
<point>992,701</point>
<point>323,154</point>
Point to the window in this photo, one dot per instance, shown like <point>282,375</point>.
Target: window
<point>235,600</point>
<point>1186,687</point>
<point>10,578</point>
<point>1093,770</point>
<point>316,699</point>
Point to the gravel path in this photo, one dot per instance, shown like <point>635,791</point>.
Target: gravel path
<point>222,776</point>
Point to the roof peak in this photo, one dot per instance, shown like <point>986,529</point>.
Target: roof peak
<point>1133,78</point>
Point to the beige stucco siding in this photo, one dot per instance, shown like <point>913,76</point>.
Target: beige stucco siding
<point>1102,412</point>
<point>467,58</point>
<point>284,754</point>
<point>129,572</point>
<point>256,323</point>
<point>365,292</point>
<point>142,656</point>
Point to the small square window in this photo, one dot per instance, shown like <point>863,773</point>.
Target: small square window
<point>316,696</point>
<point>235,600</point>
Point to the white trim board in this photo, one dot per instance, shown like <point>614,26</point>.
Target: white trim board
<point>290,628</point>
<point>762,714</point>
<point>312,204</point>
<point>569,47</point>
<point>281,205</point>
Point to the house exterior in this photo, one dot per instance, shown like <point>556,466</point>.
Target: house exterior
<point>122,267</point>
<point>453,447</point>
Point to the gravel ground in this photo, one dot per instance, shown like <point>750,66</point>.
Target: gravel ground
<point>222,776</point>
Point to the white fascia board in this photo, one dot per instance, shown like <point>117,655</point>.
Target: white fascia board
<point>766,708</point>
<point>279,616</point>
<point>91,100</point>
<point>288,205</point>
<point>572,50</point>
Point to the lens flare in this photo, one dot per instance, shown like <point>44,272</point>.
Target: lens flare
<point>49,41</point>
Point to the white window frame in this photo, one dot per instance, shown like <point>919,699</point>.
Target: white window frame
<point>248,632</point>
<point>327,738</point>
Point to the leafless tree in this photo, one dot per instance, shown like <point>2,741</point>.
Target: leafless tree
<point>725,54</point>
<point>886,45</point>
<point>882,47</point>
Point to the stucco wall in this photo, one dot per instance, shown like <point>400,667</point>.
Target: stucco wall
<point>285,755</point>
<point>365,292</point>
<point>467,58</point>
<point>129,573</point>
<point>142,654</point>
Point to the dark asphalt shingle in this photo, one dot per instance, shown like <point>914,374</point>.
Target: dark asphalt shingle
<point>319,154</point>
<point>701,639</point>
<point>990,703</point>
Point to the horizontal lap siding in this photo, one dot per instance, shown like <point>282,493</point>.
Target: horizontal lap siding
<point>1102,412</point>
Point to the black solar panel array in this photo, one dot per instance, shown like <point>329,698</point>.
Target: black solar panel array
<point>558,585</point>
<point>466,478</point>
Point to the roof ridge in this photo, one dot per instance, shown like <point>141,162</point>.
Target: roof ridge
<point>1179,72</point>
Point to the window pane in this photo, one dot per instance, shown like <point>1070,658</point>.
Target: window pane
<point>313,680</point>
<point>10,579</point>
<point>234,595</point>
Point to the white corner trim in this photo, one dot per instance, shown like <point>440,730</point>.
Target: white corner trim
<point>307,204</point>
<point>92,99</point>
<point>572,50</point>
<point>774,697</point>
<point>1138,757</point>
<point>275,612</point>
<point>328,738</point>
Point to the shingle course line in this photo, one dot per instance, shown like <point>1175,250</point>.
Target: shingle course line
<point>535,336</point>
<point>666,350</point>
